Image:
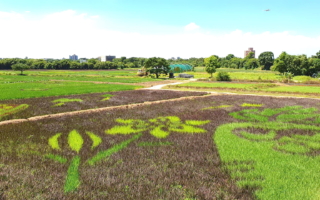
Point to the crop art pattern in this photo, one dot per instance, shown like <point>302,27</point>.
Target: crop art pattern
<point>8,109</point>
<point>268,151</point>
<point>160,127</point>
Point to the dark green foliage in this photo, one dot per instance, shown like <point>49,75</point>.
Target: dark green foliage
<point>20,67</point>
<point>157,66</point>
<point>251,63</point>
<point>211,63</point>
<point>297,65</point>
<point>223,76</point>
<point>266,60</point>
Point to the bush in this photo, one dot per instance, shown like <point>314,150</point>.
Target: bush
<point>223,76</point>
<point>286,77</point>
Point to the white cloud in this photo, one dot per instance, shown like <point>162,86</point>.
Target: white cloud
<point>192,26</point>
<point>64,33</point>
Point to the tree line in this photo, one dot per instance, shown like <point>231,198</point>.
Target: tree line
<point>65,64</point>
<point>294,64</point>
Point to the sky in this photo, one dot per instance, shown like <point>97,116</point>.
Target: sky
<point>161,28</point>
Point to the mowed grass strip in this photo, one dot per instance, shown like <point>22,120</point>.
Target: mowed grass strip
<point>264,87</point>
<point>69,77</point>
<point>50,88</point>
<point>114,72</point>
<point>227,85</point>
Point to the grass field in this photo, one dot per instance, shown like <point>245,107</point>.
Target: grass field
<point>205,147</point>
<point>23,90</point>
<point>254,88</point>
<point>31,78</point>
<point>212,147</point>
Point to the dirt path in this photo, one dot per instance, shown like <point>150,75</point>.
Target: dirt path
<point>159,87</point>
<point>153,87</point>
<point>36,118</point>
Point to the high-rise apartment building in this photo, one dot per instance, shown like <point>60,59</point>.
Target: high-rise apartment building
<point>248,51</point>
<point>73,57</point>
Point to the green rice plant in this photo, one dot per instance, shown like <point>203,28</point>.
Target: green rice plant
<point>75,143</point>
<point>251,105</point>
<point>61,102</point>
<point>159,127</point>
<point>96,141</point>
<point>268,156</point>
<point>8,109</point>
<point>216,107</point>
<point>57,158</point>
<point>53,141</point>
<point>106,97</point>
<point>103,154</point>
<point>285,114</point>
<point>23,90</point>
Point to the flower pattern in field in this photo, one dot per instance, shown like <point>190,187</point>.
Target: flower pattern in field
<point>159,127</point>
<point>75,143</point>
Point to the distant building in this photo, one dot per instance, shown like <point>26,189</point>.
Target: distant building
<point>73,57</point>
<point>248,51</point>
<point>107,58</point>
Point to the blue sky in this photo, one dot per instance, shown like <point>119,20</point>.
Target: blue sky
<point>145,28</point>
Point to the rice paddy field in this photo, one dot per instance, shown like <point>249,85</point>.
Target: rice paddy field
<point>83,140</point>
<point>206,147</point>
<point>298,90</point>
<point>59,104</point>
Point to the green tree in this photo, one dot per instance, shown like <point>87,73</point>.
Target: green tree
<point>20,67</point>
<point>250,55</point>
<point>38,64</point>
<point>211,63</point>
<point>75,65</point>
<point>251,63</point>
<point>235,63</point>
<point>93,61</point>
<point>157,66</point>
<point>230,56</point>
<point>266,59</point>
<point>314,66</point>
<point>317,55</point>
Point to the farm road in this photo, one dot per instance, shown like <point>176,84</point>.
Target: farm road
<point>155,87</point>
<point>72,113</point>
<point>159,87</point>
